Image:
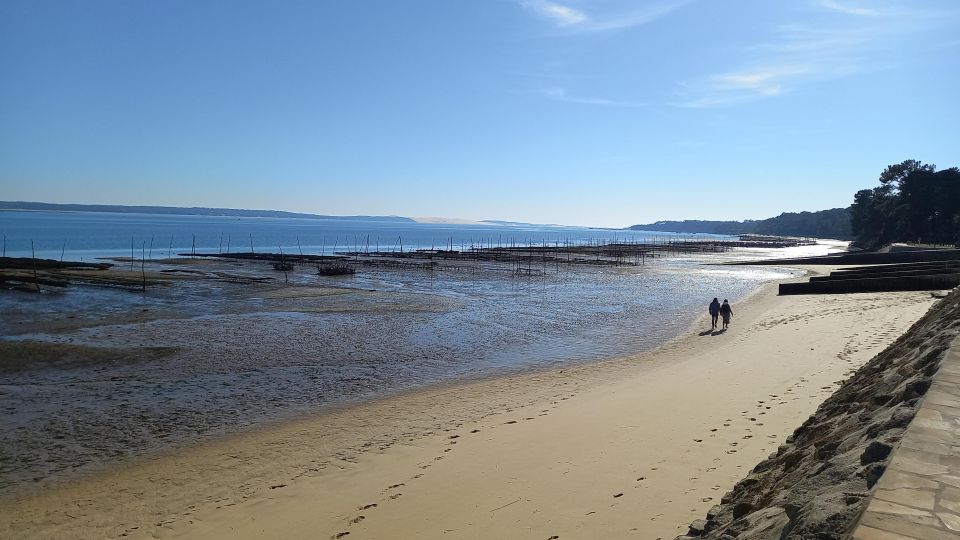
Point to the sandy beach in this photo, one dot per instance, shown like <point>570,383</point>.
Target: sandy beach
<point>635,447</point>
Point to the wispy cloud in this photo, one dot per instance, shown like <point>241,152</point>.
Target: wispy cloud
<point>578,20</point>
<point>559,14</point>
<point>801,54</point>
<point>559,94</point>
<point>850,8</point>
<point>739,86</point>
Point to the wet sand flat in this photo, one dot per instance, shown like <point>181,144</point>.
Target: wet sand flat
<point>636,447</point>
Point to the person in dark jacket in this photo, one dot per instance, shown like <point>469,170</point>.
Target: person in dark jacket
<point>714,313</point>
<point>726,312</point>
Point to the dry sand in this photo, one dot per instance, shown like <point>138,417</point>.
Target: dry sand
<point>636,447</point>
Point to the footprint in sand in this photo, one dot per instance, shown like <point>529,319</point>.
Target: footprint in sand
<point>475,431</point>
<point>395,486</point>
<point>340,535</point>
<point>395,495</point>
<point>369,506</point>
<point>358,519</point>
<point>618,495</point>
<point>554,537</point>
<point>512,422</point>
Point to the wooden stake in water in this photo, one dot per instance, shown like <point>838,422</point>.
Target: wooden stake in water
<point>63,249</point>
<point>251,243</point>
<point>143,260</point>
<point>131,254</point>
<point>283,265</point>
<point>33,253</point>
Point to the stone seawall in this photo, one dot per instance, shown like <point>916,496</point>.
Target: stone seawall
<point>817,484</point>
<point>918,495</point>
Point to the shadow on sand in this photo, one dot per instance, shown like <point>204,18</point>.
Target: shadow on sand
<point>713,332</point>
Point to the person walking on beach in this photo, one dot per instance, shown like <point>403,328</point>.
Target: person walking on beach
<point>726,312</point>
<point>714,313</point>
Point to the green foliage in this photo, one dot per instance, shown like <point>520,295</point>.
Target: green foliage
<point>834,223</point>
<point>913,203</point>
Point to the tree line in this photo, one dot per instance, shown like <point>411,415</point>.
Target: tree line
<point>913,203</point>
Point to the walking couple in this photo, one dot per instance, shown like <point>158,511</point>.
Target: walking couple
<point>720,310</point>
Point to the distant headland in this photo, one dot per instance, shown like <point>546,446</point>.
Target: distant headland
<point>184,211</point>
<point>834,223</point>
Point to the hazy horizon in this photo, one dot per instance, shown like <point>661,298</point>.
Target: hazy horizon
<point>419,219</point>
<point>601,113</point>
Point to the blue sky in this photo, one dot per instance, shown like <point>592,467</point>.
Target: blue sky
<point>577,112</point>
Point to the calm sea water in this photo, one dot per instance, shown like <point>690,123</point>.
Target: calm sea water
<point>86,235</point>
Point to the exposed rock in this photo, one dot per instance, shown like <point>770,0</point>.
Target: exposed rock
<point>916,389</point>
<point>872,473</point>
<point>697,528</point>
<point>741,509</point>
<point>767,523</point>
<point>876,451</point>
<point>816,485</point>
<point>827,450</point>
